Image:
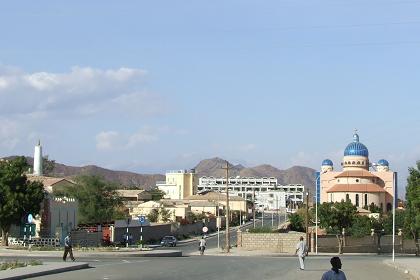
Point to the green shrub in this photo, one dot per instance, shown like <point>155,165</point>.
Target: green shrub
<point>261,230</point>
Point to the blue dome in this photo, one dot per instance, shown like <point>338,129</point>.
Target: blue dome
<point>383,162</point>
<point>356,148</point>
<point>327,162</point>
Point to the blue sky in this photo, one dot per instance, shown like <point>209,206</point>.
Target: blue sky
<point>148,86</point>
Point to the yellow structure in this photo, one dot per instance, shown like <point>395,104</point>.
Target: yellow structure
<point>355,182</point>
<point>179,184</point>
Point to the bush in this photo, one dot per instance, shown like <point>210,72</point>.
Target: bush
<point>261,230</point>
<point>296,222</point>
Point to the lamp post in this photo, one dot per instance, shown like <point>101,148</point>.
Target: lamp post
<point>307,214</point>
<point>227,240</point>
<point>316,209</point>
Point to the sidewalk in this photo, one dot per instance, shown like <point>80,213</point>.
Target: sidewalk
<point>408,265</point>
<point>123,252</point>
<point>41,270</point>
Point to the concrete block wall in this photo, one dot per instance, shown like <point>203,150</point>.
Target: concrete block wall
<point>274,242</point>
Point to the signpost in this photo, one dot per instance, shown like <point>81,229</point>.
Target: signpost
<point>142,220</point>
<point>27,230</point>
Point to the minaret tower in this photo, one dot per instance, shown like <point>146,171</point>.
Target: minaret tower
<point>38,159</point>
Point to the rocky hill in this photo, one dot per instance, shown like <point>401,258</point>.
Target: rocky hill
<point>208,167</point>
<point>124,178</point>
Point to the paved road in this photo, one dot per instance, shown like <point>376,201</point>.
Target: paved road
<point>229,268</point>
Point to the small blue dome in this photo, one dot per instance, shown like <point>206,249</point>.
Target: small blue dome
<point>383,162</point>
<point>356,148</point>
<point>327,162</point>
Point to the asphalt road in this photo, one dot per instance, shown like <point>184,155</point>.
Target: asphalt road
<point>225,267</point>
<point>230,268</point>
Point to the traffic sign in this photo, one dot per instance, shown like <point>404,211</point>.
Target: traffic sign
<point>30,218</point>
<point>205,229</point>
<point>142,219</point>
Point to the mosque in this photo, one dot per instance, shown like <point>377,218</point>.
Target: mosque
<point>356,182</point>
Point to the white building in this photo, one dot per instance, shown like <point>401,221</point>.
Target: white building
<point>264,191</point>
<point>178,184</point>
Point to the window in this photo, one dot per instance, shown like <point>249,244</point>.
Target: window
<point>366,201</point>
<point>357,200</point>
<point>347,197</point>
<point>354,162</point>
<point>388,207</point>
<point>358,162</point>
<point>357,180</point>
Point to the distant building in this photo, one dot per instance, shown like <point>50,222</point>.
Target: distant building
<point>179,184</point>
<point>355,182</point>
<point>265,191</point>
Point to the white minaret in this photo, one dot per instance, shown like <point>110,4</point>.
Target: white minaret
<point>38,159</point>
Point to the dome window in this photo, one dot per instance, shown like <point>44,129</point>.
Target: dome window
<point>357,180</point>
<point>358,162</point>
<point>353,162</point>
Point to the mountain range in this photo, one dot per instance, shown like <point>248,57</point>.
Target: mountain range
<point>208,167</point>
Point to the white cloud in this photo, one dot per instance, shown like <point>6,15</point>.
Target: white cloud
<point>81,91</point>
<point>107,140</point>
<point>9,133</point>
<point>112,140</point>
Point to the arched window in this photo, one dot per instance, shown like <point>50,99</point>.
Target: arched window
<point>357,200</point>
<point>354,162</point>
<point>366,202</point>
<point>347,197</point>
<point>358,162</point>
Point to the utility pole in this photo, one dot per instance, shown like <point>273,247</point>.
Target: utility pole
<point>307,216</point>
<point>227,235</point>
<point>253,207</point>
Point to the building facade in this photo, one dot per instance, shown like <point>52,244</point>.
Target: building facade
<point>356,182</point>
<point>179,184</point>
<point>266,192</point>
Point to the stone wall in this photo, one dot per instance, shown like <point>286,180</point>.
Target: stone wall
<point>273,242</point>
<point>286,243</point>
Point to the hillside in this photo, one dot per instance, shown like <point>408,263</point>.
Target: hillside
<point>208,167</point>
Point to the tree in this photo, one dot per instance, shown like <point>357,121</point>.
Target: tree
<point>98,200</point>
<point>18,196</point>
<point>47,165</point>
<point>296,222</point>
<point>412,218</point>
<point>336,216</point>
<point>157,194</point>
<point>165,214</point>
<point>153,216</point>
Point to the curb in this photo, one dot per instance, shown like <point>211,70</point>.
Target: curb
<point>29,274</point>
<point>403,269</point>
<point>148,255</point>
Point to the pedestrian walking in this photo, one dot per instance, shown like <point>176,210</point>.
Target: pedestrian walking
<point>68,247</point>
<point>202,245</point>
<point>335,273</point>
<point>301,252</point>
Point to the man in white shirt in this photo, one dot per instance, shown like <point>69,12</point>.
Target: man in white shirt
<point>335,273</point>
<point>301,252</point>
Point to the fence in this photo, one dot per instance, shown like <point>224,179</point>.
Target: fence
<point>39,242</point>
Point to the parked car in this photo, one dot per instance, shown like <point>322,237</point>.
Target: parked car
<point>168,241</point>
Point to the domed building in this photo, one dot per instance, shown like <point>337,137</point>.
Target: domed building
<point>356,182</point>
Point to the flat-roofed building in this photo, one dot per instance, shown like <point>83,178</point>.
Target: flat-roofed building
<point>178,184</point>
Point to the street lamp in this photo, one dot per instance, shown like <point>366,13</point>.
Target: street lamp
<point>307,214</point>
<point>316,208</point>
